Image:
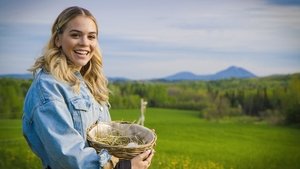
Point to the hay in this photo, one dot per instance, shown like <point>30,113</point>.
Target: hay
<point>115,138</point>
<point>122,139</point>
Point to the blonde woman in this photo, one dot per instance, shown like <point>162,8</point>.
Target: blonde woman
<point>68,95</point>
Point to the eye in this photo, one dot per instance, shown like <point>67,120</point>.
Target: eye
<point>75,35</point>
<point>92,37</point>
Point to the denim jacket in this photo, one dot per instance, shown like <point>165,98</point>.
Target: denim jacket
<point>55,122</point>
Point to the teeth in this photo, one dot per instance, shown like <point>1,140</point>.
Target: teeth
<point>81,52</point>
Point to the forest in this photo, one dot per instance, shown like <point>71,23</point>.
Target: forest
<point>275,99</point>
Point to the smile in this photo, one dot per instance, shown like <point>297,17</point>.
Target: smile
<point>82,52</point>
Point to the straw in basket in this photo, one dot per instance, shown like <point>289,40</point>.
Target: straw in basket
<point>122,139</point>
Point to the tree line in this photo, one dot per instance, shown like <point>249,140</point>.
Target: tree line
<point>12,93</point>
<point>276,98</point>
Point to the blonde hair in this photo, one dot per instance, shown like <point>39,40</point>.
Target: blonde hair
<point>54,60</point>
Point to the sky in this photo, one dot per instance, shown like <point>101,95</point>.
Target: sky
<point>143,39</point>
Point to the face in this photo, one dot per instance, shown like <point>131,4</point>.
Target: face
<point>78,40</point>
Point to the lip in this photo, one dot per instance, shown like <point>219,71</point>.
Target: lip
<point>81,52</point>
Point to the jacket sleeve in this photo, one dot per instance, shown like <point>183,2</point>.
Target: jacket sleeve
<point>64,146</point>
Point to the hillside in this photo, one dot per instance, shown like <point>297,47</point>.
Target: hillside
<point>230,72</point>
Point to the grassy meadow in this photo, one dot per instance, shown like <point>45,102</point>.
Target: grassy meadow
<point>186,141</point>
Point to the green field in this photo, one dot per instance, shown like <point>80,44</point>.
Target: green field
<point>186,141</point>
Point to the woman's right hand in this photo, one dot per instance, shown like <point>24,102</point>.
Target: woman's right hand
<point>143,160</point>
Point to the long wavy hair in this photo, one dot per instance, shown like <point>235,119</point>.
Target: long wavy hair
<point>54,61</point>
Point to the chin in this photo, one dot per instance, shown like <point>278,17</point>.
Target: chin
<point>82,63</point>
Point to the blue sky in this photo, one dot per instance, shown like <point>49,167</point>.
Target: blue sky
<point>143,39</point>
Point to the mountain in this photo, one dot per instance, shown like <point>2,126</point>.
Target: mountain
<point>181,76</point>
<point>118,79</point>
<point>231,72</point>
<point>30,76</point>
<point>17,76</point>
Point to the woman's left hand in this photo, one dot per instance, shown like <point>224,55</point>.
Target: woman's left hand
<point>142,161</point>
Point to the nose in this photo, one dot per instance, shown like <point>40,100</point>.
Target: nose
<point>84,41</point>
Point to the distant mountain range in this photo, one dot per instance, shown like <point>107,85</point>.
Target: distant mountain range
<point>231,72</point>
<point>17,76</point>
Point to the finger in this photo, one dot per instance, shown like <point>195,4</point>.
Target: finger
<point>149,159</point>
<point>145,154</point>
<point>147,164</point>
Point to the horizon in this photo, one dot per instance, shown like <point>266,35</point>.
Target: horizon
<point>142,40</point>
<point>167,76</point>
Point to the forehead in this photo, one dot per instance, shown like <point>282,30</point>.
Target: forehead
<point>82,23</point>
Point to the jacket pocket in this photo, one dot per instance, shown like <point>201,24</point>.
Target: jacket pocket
<point>80,106</point>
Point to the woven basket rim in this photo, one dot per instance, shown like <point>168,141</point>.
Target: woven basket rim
<point>142,146</point>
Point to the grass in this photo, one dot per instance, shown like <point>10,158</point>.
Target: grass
<point>186,141</point>
<point>14,152</point>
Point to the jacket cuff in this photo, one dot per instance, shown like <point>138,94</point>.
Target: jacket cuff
<point>104,157</point>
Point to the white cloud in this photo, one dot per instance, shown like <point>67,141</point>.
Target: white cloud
<point>199,36</point>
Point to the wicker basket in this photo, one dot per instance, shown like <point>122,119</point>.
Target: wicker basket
<point>103,129</point>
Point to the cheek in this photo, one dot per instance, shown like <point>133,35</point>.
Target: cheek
<point>67,41</point>
<point>67,46</point>
<point>94,45</point>
<point>66,50</point>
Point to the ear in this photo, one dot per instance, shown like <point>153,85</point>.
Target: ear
<point>58,41</point>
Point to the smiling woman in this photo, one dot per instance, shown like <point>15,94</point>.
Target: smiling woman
<point>74,33</point>
<point>68,95</point>
<point>78,40</point>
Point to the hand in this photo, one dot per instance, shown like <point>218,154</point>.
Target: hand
<point>112,163</point>
<point>143,160</point>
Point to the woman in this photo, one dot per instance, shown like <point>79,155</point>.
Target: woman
<point>68,95</point>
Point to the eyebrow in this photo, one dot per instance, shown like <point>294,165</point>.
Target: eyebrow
<point>78,31</point>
